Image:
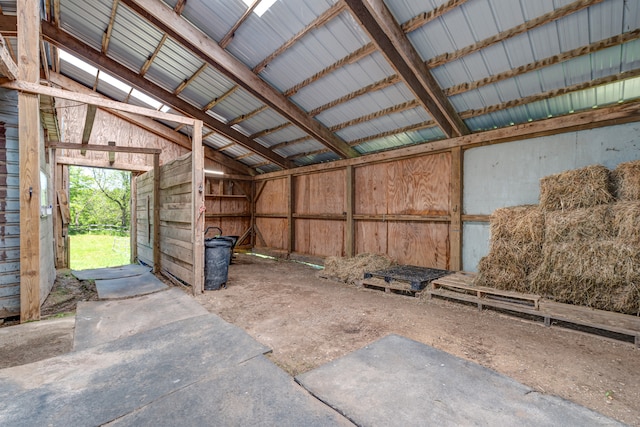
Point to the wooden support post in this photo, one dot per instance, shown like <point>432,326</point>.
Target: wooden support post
<point>29,137</point>
<point>291,228</point>
<point>197,162</point>
<point>455,227</point>
<point>156,213</point>
<point>252,226</point>
<point>112,154</point>
<point>350,240</point>
<point>133,218</point>
<point>88,125</point>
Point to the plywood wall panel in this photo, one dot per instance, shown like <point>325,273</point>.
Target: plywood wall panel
<point>419,243</point>
<point>273,198</point>
<point>371,237</point>
<point>371,189</point>
<point>419,186</point>
<point>320,193</point>
<point>274,232</point>
<point>319,237</point>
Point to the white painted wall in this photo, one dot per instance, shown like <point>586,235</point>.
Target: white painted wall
<point>509,174</point>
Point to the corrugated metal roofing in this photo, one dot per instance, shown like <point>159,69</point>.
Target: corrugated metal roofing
<point>133,40</point>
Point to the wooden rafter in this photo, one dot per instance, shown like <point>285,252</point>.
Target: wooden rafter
<point>290,142</point>
<point>385,32</point>
<point>219,99</point>
<point>8,66</point>
<point>106,36</point>
<point>190,80</point>
<point>226,39</point>
<point>88,125</point>
<point>186,34</point>
<point>552,93</point>
<point>354,56</point>
<point>259,165</point>
<point>551,60</point>
<point>394,109</point>
<point>309,153</point>
<point>179,7</point>
<point>247,116</point>
<point>379,85</point>
<point>511,32</point>
<point>147,64</point>
<point>244,156</point>
<point>269,131</point>
<point>62,38</point>
<point>426,17</point>
<point>321,20</point>
<point>410,128</point>
<point>226,147</point>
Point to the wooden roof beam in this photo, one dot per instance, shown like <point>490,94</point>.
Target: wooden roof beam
<point>551,60</point>
<point>64,39</point>
<point>226,39</point>
<point>8,66</point>
<point>221,98</point>
<point>88,125</point>
<point>321,20</point>
<point>182,86</point>
<point>181,30</point>
<point>247,116</point>
<point>366,118</point>
<point>426,17</point>
<point>269,131</point>
<point>147,64</point>
<point>106,37</point>
<point>385,32</point>
<point>290,142</point>
<point>511,32</point>
<point>179,7</point>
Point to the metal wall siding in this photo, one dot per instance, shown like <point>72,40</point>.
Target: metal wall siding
<point>9,205</point>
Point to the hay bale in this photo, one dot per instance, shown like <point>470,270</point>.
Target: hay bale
<point>626,221</point>
<point>517,225</point>
<point>578,188</point>
<point>349,270</point>
<point>592,223</point>
<point>507,266</point>
<point>602,274</point>
<point>626,179</point>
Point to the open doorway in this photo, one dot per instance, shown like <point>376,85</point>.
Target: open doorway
<point>100,217</point>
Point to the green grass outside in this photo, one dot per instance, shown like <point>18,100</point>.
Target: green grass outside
<point>96,251</point>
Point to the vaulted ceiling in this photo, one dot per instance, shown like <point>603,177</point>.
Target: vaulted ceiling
<point>318,80</point>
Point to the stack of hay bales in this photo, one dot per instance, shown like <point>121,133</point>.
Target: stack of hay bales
<point>350,270</point>
<point>589,241</point>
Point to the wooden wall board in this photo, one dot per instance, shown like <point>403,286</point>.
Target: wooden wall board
<point>421,244</point>
<point>320,193</point>
<point>371,189</point>
<point>419,186</point>
<point>320,237</point>
<point>371,237</point>
<point>274,231</point>
<point>108,127</point>
<point>273,198</point>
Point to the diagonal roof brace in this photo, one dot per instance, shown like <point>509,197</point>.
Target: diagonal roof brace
<point>209,51</point>
<point>385,33</point>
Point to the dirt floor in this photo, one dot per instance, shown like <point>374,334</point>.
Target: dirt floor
<point>309,321</point>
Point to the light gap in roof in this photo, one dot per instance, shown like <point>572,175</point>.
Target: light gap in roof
<point>262,7</point>
<point>107,78</point>
<point>67,57</point>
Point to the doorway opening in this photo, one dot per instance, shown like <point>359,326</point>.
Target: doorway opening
<point>100,217</point>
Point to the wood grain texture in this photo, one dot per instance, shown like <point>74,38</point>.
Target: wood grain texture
<point>424,245</point>
<point>273,198</point>
<point>321,193</point>
<point>274,232</point>
<point>371,237</point>
<point>320,237</point>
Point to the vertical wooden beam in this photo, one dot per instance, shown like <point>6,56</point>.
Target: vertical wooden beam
<point>197,167</point>
<point>65,228</point>
<point>133,220</point>
<point>291,203</point>
<point>29,137</point>
<point>88,126</point>
<point>350,240</point>
<point>112,154</point>
<point>455,227</point>
<point>156,213</point>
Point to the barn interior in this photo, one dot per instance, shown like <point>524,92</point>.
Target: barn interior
<point>490,142</point>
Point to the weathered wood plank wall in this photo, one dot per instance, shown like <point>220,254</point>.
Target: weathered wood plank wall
<point>175,197</point>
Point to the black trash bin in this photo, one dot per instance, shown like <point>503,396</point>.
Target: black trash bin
<point>217,257</point>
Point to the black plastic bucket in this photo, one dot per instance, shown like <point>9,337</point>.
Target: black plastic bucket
<point>217,256</point>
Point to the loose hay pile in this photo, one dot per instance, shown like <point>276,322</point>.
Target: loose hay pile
<point>349,270</point>
<point>580,246</point>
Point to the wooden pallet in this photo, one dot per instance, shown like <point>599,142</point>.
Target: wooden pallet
<point>396,287</point>
<point>459,287</point>
<point>463,283</point>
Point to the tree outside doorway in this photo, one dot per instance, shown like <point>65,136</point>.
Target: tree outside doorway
<point>99,204</point>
